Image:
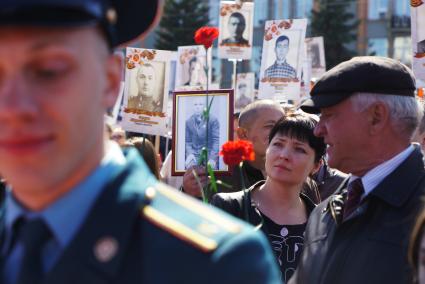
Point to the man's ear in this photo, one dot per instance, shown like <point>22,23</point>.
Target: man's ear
<point>113,67</point>
<point>378,116</point>
<point>242,133</point>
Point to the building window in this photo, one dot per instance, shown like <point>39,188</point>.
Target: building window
<point>377,47</point>
<point>377,9</point>
<point>403,49</point>
<point>303,8</point>
<point>282,9</point>
<point>260,13</point>
<point>402,7</point>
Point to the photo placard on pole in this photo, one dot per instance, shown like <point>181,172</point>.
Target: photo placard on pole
<point>418,38</point>
<point>244,91</point>
<point>236,24</point>
<point>190,70</point>
<point>316,54</point>
<point>282,60</point>
<point>146,90</point>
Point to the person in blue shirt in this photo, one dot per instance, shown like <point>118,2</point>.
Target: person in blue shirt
<point>77,210</point>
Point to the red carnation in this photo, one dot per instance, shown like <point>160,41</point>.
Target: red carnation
<point>234,152</point>
<point>206,36</point>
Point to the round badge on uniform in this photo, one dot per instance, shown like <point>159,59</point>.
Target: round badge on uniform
<point>105,249</point>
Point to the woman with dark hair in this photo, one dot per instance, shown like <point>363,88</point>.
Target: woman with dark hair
<point>417,249</point>
<point>293,154</point>
<point>147,151</point>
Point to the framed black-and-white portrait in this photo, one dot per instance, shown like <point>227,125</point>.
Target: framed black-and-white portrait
<point>146,90</point>
<point>236,30</point>
<point>192,130</point>
<point>282,60</point>
<point>418,39</point>
<point>316,54</point>
<point>191,65</point>
<point>244,91</point>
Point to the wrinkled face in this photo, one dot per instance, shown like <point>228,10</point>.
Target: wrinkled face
<point>289,160</point>
<point>199,105</point>
<point>281,49</point>
<point>51,111</point>
<point>344,131</point>
<point>146,80</point>
<point>235,27</point>
<point>259,130</point>
<point>421,262</point>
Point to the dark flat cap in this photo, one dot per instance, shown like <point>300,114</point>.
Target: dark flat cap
<point>122,20</point>
<point>370,74</point>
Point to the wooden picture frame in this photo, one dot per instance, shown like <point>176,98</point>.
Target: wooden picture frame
<point>189,128</point>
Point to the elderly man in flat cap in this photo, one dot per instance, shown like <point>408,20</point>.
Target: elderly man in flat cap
<point>368,113</point>
<point>77,211</point>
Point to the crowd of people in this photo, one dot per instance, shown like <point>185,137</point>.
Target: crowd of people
<point>334,195</point>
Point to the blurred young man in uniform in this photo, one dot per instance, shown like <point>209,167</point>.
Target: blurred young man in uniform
<point>78,211</point>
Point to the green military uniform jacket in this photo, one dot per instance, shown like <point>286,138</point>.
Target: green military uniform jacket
<point>154,234</point>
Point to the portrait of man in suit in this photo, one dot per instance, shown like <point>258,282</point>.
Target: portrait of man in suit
<point>280,68</point>
<point>148,95</point>
<point>195,135</point>
<point>236,25</point>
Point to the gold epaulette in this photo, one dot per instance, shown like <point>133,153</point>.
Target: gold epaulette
<point>186,218</point>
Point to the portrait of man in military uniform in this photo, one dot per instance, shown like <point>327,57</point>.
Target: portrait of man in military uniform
<point>149,85</point>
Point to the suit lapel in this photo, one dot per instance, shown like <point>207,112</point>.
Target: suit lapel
<point>100,246</point>
<point>396,188</point>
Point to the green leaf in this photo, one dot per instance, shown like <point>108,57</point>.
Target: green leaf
<point>212,178</point>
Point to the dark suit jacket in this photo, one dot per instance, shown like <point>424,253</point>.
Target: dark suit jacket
<point>329,180</point>
<point>196,137</point>
<point>233,203</point>
<point>252,175</point>
<point>163,236</point>
<point>371,246</point>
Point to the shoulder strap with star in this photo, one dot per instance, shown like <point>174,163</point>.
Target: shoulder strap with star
<point>188,219</point>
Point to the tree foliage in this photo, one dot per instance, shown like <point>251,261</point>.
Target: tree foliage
<point>180,20</point>
<point>338,28</point>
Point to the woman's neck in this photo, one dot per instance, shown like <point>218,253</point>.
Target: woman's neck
<point>281,202</point>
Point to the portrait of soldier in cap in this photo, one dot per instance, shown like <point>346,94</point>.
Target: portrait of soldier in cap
<point>78,209</point>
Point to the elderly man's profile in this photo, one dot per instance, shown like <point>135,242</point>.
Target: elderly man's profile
<point>280,68</point>
<point>236,26</point>
<point>197,75</point>
<point>195,136</point>
<point>147,97</point>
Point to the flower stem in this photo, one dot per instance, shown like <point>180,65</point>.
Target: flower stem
<point>245,194</point>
